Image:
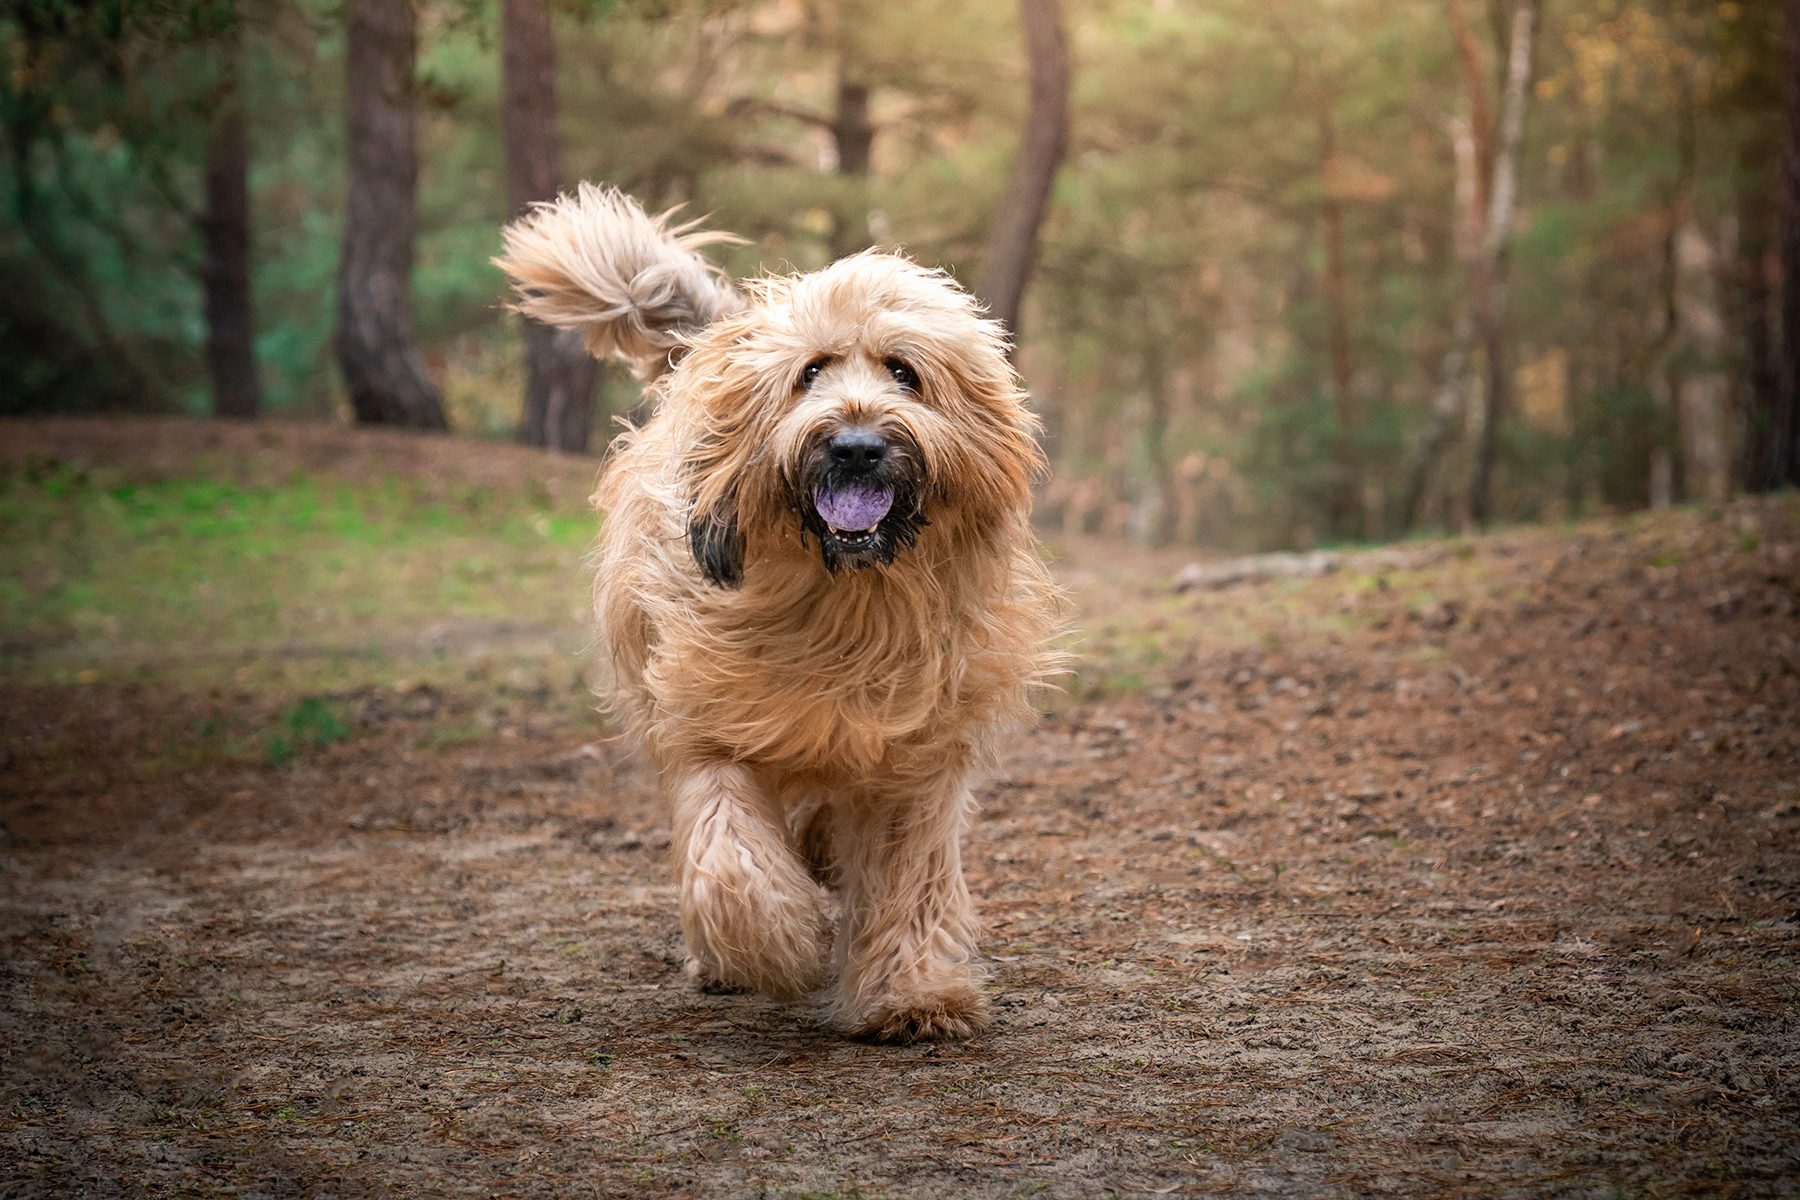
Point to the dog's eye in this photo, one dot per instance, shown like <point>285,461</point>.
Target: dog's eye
<point>809,375</point>
<point>903,375</point>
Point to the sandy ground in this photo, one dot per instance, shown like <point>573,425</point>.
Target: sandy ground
<point>1480,875</point>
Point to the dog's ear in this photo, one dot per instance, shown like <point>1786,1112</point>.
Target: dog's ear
<point>631,283</point>
<point>718,544</point>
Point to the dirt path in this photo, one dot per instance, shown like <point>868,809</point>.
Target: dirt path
<point>1480,874</point>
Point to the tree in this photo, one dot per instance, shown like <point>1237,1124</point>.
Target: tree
<point>1490,281</point>
<point>1449,397</point>
<point>225,239</point>
<point>1344,515</point>
<point>847,34</point>
<point>105,123</point>
<point>1472,143</point>
<point>382,368</point>
<point>1013,234</point>
<point>1766,419</point>
<point>559,372</point>
<point>1789,363</point>
<point>853,137</point>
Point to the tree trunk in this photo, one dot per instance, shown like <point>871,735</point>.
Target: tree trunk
<point>1155,514</point>
<point>1012,238</point>
<point>382,368</point>
<point>1490,288</point>
<point>1472,144</point>
<point>225,238</point>
<point>1345,515</point>
<point>853,136</point>
<point>1664,361</point>
<point>1789,325</point>
<point>1453,375</point>
<point>559,372</point>
<point>1481,117</point>
<point>1764,409</point>
<point>1446,407</point>
<point>1577,473</point>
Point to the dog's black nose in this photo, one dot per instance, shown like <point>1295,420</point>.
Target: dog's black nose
<point>857,449</point>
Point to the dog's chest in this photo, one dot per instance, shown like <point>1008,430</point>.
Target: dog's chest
<point>836,685</point>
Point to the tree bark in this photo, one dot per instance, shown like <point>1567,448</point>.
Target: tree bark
<point>1664,359</point>
<point>1155,518</point>
<point>1577,476</point>
<point>1345,515</point>
<point>382,368</point>
<point>559,372</point>
<point>1012,238</point>
<point>853,136</point>
<point>1789,325</point>
<point>1453,374</point>
<point>1765,412</point>
<point>1472,143</point>
<point>225,239</point>
<point>1481,117</point>
<point>1490,285</point>
<point>1446,407</point>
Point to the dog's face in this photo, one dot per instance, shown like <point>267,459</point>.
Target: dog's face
<point>857,477</point>
<point>857,407</point>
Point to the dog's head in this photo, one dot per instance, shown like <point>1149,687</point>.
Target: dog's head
<point>851,409</point>
<point>854,407</point>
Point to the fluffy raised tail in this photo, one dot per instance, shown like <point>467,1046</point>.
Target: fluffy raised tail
<point>631,283</point>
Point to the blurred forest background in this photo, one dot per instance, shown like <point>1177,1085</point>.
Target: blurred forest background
<point>1304,270</point>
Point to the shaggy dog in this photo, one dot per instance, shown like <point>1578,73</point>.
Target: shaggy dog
<point>819,593</point>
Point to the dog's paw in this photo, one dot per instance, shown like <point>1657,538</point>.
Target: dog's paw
<point>708,984</point>
<point>765,941</point>
<point>954,1016</point>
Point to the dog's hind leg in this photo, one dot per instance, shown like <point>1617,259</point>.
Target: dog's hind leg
<point>906,945</point>
<point>809,821</point>
<point>749,909</point>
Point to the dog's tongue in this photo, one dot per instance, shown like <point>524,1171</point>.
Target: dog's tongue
<point>853,509</point>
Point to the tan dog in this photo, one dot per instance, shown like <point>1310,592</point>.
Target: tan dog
<point>819,592</point>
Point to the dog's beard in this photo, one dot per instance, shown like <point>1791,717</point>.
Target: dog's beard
<point>861,518</point>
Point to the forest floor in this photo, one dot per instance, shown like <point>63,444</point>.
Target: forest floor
<point>1468,867</point>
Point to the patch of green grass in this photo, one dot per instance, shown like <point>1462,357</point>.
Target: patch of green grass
<point>207,738</point>
<point>311,583</point>
<point>459,734</point>
<point>311,722</point>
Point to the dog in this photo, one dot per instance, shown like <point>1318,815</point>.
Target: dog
<point>819,592</point>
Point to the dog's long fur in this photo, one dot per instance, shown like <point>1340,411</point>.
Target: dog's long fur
<point>630,282</point>
<point>817,710</point>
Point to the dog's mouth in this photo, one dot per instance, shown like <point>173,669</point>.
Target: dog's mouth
<point>861,519</point>
<point>852,513</point>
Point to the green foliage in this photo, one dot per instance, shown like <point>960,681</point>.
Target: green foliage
<point>102,111</point>
<point>1180,308</point>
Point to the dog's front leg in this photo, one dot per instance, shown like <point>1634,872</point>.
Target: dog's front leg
<point>906,946</point>
<point>749,909</point>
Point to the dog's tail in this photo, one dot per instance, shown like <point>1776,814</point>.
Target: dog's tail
<point>631,283</point>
